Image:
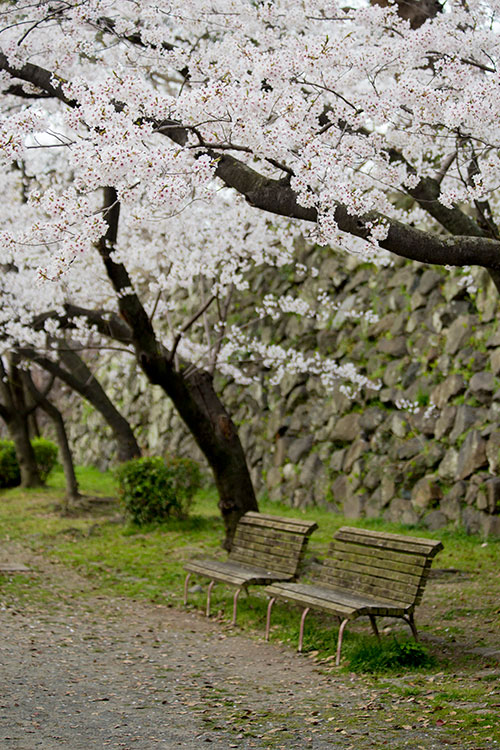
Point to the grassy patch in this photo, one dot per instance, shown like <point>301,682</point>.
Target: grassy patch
<point>370,655</point>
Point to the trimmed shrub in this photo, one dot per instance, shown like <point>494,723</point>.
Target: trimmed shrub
<point>146,490</point>
<point>186,478</point>
<point>45,457</point>
<point>10,476</point>
<point>153,490</point>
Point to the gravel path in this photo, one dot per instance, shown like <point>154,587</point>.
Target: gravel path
<point>90,673</point>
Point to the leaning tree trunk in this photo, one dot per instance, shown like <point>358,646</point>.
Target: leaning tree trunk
<point>17,426</point>
<point>72,495</point>
<point>206,418</point>
<point>91,389</point>
<point>193,397</point>
<point>78,376</point>
<point>223,448</point>
<point>14,412</point>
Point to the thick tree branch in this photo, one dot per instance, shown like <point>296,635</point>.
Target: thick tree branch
<point>108,324</point>
<point>276,196</point>
<point>43,79</point>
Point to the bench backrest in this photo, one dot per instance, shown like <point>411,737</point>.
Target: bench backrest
<point>271,542</point>
<point>385,566</point>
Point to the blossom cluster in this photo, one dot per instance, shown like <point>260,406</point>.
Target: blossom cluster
<point>348,107</point>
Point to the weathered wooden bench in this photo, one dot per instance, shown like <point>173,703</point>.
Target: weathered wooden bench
<point>265,549</point>
<point>365,573</point>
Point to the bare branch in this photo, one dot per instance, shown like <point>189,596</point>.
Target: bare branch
<point>189,323</point>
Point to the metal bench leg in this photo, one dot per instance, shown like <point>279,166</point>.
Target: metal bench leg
<point>209,592</point>
<point>235,604</point>
<point>186,588</point>
<point>339,642</point>
<point>373,623</point>
<point>411,622</point>
<point>302,621</point>
<point>268,618</point>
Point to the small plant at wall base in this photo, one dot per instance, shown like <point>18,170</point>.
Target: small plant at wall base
<point>153,490</point>
<point>45,458</point>
<point>371,655</point>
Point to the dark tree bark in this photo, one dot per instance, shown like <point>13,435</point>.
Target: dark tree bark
<point>14,412</point>
<point>78,376</point>
<point>209,423</point>
<point>95,394</point>
<point>193,396</point>
<point>72,495</point>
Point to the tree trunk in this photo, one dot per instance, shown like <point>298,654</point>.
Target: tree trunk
<point>17,426</point>
<point>78,376</point>
<point>72,492</point>
<point>203,413</point>
<point>33,425</point>
<point>92,390</point>
<point>193,396</point>
<point>226,456</point>
<point>14,411</point>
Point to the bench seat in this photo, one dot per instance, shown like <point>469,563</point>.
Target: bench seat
<point>336,601</point>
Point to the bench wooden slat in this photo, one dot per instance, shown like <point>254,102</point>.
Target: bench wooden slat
<point>260,559</point>
<point>268,547</point>
<point>351,564</point>
<point>231,573</point>
<point>378,556</point>
<point>337,605</point>
<point>296,525</point>
<point>372,585</point>
<point>368,589</point>
<point>350,599</point>
<point>385,576</point>
<point>417,545</point>
<point>285,547</point>
<point>293,539</point>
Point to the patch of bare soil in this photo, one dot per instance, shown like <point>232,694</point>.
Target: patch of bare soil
<point>82,672</point>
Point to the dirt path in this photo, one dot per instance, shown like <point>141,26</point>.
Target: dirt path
<point>88,673</point>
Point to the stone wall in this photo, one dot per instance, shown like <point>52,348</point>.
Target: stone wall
<point>424,448</point>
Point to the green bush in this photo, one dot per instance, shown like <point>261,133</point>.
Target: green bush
<point>10,476</point>
<point>152,489</point>
<point>186,478</point>
<point>146,489</point>
<point>45,458</point>
<point>370,655</point>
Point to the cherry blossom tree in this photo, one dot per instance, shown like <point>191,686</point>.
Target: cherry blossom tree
<point>361,126</point>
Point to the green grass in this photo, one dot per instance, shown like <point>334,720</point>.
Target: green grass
<point>369,655</point>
